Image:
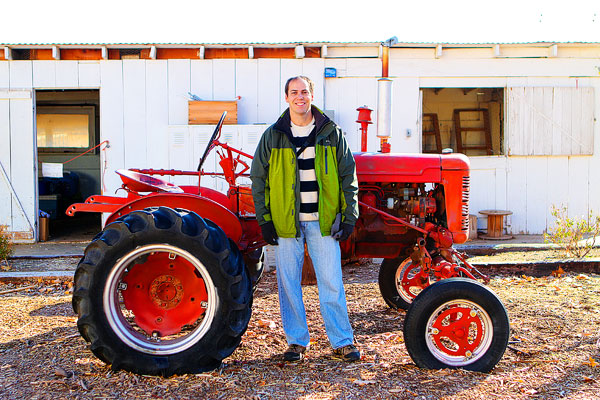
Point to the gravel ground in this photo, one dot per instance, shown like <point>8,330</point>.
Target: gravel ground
<point>554,350</point>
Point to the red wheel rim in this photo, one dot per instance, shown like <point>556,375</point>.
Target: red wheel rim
<point>457,325</point>
<point>164,294</point>
<point>459,332</point>
<point>410,280</point>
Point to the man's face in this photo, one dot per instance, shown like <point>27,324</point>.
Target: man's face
<point>299,96</point>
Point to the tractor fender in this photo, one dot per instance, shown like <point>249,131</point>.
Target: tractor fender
<point>202,206</point>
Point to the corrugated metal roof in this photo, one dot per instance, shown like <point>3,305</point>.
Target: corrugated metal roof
<point>318,43</point>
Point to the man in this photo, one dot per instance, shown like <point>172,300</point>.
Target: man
<point>303,177</point>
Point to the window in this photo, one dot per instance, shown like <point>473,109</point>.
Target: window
<point>468,120</point>
<point>65,128</point>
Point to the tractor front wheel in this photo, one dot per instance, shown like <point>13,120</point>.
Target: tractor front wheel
<point>162,292</point>
<point>400,281</point>
<point>456,323</point>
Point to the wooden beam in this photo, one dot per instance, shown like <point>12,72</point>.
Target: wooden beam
<point>41,54</point>
<point>80,54</point>
<point>212,52</point>
<point>280,52</point>
<point>177,53</point>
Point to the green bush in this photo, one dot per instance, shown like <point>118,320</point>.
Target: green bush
<point>574,237</point>
<point>5,244</point>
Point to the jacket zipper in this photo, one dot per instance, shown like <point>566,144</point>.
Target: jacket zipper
<point>326,154</point>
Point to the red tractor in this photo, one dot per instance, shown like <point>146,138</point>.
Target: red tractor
<point>166,288</point>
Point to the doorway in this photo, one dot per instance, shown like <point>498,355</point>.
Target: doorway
<point>67,125</point>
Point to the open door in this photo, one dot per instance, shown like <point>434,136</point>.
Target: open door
<point>68,152</point>
<point>18,164</point>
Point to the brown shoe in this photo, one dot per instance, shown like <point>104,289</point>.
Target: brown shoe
<point>294,352</point>
<point>347,353</point>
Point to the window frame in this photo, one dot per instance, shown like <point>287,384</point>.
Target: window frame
<point>90,111</point>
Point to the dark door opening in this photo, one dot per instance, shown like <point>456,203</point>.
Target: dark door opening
<point>68,124</point>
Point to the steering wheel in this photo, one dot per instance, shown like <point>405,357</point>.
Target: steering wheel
<point>214,136</point>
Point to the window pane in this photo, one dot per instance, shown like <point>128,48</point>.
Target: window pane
<point>63,130</point>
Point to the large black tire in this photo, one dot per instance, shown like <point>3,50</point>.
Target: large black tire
<point>254,261</point>
<point>434,327</point>
<point>126,245</point>
<point>390,282</point>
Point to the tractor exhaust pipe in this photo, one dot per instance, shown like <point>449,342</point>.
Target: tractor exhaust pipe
<point>384,112</point>
<point>384,98</point>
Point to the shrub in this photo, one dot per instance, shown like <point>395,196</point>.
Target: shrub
<point>575,237</point>
<point>5,244</point>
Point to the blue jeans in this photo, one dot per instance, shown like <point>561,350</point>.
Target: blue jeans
<point>325,254</point>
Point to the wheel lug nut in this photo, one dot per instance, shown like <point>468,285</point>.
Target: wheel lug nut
<point>435,331</point>
<point>473,313</point>
<point>468,353</point>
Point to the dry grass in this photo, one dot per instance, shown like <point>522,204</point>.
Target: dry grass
<point>554,350</point>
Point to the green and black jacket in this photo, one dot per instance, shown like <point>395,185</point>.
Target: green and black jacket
<point>275,176</point>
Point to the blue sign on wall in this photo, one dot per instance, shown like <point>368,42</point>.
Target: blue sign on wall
<point>330,73</point>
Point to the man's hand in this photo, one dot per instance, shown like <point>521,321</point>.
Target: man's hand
<point>344,232</point>
<point>269,233</point>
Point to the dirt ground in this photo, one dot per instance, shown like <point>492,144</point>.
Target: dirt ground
<point>554,351</point>
<point>529,256</point>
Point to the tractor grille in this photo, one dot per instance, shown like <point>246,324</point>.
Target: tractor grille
<point>466,180</point>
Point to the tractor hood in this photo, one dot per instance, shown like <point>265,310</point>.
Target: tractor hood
<point>400,167</point>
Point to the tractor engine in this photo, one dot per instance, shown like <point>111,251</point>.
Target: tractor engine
<point>412,202</point>
<point>400,191</point>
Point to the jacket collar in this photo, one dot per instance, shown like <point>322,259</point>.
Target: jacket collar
<point>284,121</point>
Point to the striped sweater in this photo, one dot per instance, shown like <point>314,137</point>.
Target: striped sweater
<point>309,189</point>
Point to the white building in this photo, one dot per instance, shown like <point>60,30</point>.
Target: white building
<point>541,101</point>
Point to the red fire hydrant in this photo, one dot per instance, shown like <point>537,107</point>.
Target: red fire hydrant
<point>364,119</point>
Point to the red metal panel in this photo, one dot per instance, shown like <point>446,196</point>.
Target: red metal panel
<point>202,206</point>
<point>396,167</point>
<point>455,162</point>
<point>91,207</point>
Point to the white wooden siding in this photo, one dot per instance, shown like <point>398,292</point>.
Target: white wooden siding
<point>157,113</point>
<point>5,148</point>
<point>89,74</point>
<point>143,103</point>
<point>246,87</point>
<point>202,79</point>
<point>111,123</point>
<point>18,159</point>
<point>269,94</point>
<point>550,121</point>
<point>67,74</point>
<point>44,74</point>
<point>134,112</point>
<point>179,86</point>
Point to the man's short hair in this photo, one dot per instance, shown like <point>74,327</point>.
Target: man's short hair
<point>311,85</point>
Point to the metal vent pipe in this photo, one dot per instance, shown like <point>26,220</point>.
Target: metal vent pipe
<point>384,107</point>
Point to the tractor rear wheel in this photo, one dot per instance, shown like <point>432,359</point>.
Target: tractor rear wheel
<point>162,292</point>
<point>456,323</point>
<point>400,281</point>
